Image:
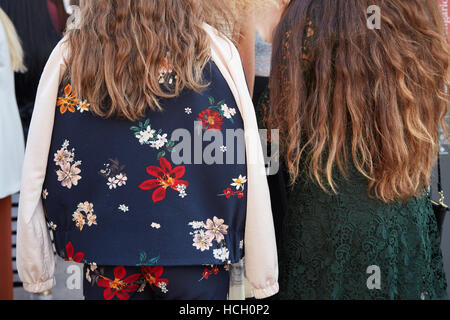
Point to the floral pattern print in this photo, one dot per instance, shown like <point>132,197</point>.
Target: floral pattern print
<point>166,177</point>
<point>114,157</point>
<point>71,103</point>
<point>113,173</point>
<point>239,184</point>
<point>156,139</point>
<point>68,102</point>
<point>69,171</point>
<point>209,272</point>
<point>144,260</point>
<point>80,219</point>
<point>120,286</point>
<point>216,228</point>
<point>212,117</point>
<point>52,225</point>
<point>70,256</point>
<point>152,276</point>
<point>211,234</point>
<point>155,225</point>
<point>83,106</point>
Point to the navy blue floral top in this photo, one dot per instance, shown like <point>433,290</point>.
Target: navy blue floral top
<point>169,189</point>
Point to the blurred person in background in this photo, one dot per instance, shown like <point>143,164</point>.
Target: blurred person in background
<point>39,24</point>
<point>11,145</point>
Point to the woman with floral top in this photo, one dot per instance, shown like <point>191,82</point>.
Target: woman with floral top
<point>142,158</point>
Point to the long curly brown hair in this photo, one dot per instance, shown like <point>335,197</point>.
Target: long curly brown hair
<point>118,49</point>
<point>374,98</point>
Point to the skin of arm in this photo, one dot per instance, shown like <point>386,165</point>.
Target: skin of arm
<point>246,48</point>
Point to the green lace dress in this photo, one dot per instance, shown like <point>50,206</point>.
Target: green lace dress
<point>348,246</point>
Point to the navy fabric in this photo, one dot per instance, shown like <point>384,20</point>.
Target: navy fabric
<point>197,218</point>
<point>167,283</point>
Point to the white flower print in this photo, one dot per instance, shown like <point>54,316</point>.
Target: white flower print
<point>221,254</point>
<point>160,141</point>
<point>181,188</point>
<point>52,225</point>
<point>197,224</point>
<point>228,112</point>
<point>83,106</point>
<point>124,208</point>
<point>146,135</point>
<point>211,233</point>
<point>65,144</point>
<point>163,287</point>
<point>112,183</point>
<point>113,173</point>
<point>44,194</point>
<point>239,182</point>
<point>223,149</point>
<point>121,179</point>
<point>202,241</point>
<point>155,225</point>
<point>188,110</point>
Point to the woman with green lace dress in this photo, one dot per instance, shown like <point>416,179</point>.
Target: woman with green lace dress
<point>358,96</point>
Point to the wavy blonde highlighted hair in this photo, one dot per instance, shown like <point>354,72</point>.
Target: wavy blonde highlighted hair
<point>119,47</point>
<point>15,48</point>
<point>374,98</point>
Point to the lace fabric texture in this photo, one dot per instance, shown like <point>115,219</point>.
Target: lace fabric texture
<point>330,242</point>
<point>349,246</point>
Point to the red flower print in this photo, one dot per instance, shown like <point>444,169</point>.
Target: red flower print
<point>215,270</point>
<point>228,193</point>
<point>119,286</point>
<point>152,276</point>
<point>166,177</point>
<point>211,119</point>
<point>206,273</point>
<point>240,194</point>
<point>78,257</point>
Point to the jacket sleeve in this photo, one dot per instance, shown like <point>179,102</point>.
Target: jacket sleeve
<point>35,256</point>
<point>261,262</point>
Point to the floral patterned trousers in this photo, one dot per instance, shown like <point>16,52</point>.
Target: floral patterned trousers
<point>155,283</point>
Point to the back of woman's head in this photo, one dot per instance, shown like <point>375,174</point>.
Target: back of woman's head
<point>120,48</point>
<point>374,97</point>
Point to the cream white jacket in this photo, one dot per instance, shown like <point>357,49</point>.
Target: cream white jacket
<point>35,257</point>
